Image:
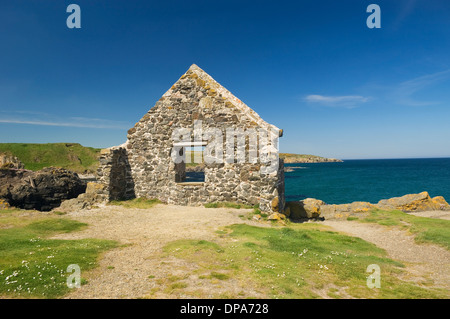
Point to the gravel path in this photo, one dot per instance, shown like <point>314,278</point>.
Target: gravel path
<point>136,269</point>
<point>133,271</point>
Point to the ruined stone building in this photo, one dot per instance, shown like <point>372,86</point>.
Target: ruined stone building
<point>197,116</point>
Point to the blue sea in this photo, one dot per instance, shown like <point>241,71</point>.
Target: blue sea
<point>368,180</point>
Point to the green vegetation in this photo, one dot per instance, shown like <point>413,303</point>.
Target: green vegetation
<point>33,266</point>
<point>141,203</point>
<point>71,156</point>
<point>302,261</point>
<point>426,230</point>
<point>228,205</point>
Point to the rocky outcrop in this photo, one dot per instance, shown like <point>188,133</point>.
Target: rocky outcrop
<point>307,208</point>
<point>42,190</point>
<point>314,208</point>
<point>301,158</point>
<point>95,195</point>
<point>343,211</point>
<point>9,161</point>
<point>4,204</point>
<point>414,202</point>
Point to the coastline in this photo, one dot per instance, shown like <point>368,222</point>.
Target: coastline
<point>290,158</point>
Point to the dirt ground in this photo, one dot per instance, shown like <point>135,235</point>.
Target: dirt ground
<point>124,272</point>
<point>135,270</point>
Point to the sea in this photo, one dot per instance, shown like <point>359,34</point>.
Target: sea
<point>367,180</point>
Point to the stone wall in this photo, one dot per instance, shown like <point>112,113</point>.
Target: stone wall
<point>114,173</point>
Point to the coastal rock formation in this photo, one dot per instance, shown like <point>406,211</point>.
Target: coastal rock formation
<point>41,190</point>
<point>302,158</point>
<point>313,208</point>
<point>4,204</point>
<point>95,194</point>
<point>345,210</point>
<point>414,202</point>
<point>9,161</point>
<point>307,208</point>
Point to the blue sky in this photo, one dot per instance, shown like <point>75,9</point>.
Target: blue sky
<point>313,68</point>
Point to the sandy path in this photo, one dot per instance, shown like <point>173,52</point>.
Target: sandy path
<point>124,272</point>
<point>433,214</point>
<point>423,261</point>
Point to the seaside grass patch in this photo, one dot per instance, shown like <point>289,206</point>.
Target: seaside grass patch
<point>302,261</point>
<point>141,203</point>
<point>228,205</point>
<point>425,229</point>
<point>34,266</point>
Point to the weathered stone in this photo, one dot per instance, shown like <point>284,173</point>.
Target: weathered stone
<point>414,202</point>
<point>257,217</point>
<point>307,208</point>
<point>274,204</point>
<point>95,194</point>
<point>440,203</point>
<point>276,216</point>
<point>9,161</point>
<point>42,190</point>
<point>4,204</point>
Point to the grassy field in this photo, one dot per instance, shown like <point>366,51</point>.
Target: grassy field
<point>426,230</point>
<point>34,266</point>
<point>72,156</point>
<point>305,260</point>
<point>299,261</point>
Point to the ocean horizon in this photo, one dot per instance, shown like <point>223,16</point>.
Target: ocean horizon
<point>368,180</point>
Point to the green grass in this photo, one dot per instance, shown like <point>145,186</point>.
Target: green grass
<point>72,156</point>
<point>426,230</point>
<point>141,203</point>
<point>34,266</point>
<point>297,262</point>
<point>229,205</point>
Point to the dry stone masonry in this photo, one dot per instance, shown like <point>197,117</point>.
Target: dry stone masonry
<point>198,112</point>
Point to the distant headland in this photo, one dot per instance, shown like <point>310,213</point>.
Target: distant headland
<point>303,158</point>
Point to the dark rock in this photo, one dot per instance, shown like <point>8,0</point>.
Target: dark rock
<point>42,190</point>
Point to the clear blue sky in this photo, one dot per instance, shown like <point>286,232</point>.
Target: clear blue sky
<point>313,68</point>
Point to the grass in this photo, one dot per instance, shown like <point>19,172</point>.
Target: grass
<point>141,203</point>
<point>302,261</point>
<point>34,266</point>
<point>426,230</point>
<point>229,205</point>
<point>71,156</point>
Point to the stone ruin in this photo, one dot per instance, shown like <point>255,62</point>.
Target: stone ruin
<point>197,113</point>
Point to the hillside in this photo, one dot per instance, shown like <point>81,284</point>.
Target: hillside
<point>303,158</point>
<point>71,156</point>
<point>81,159</point>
